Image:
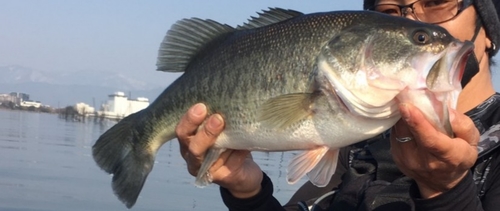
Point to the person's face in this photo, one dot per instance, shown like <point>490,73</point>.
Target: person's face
<point>461,27</point>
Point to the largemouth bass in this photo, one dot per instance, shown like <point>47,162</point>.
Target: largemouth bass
<point>289,81</point>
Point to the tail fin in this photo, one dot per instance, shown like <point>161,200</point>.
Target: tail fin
<point>127,154</point>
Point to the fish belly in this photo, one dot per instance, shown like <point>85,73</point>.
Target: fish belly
<point>330,130</point>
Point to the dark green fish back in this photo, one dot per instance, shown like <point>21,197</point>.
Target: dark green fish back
<point>255,64</point>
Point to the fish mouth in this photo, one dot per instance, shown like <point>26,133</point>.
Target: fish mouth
<point>462,57</point>
<point>446,74</point>
<point>438,85</point>
<point>444,84</point>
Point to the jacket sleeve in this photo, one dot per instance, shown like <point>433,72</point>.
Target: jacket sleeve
<point>491,199</point>
<point>263,201</point>
<point>461,197</point>
<point>464,195</point>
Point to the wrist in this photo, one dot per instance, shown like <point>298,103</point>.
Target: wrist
<point>432,189</point>
<point>248,188</point>
<point>263,200</point>
<point>245,194</point>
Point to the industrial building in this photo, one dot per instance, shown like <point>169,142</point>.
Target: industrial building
<point>119,106</point>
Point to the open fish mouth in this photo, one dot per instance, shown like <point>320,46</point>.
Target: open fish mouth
<point>451,66</point>
<point>462,58</point>
<point>443,85</point>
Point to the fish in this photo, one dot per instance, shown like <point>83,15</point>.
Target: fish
<point>287,81</point>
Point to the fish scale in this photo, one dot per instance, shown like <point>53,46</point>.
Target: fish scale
<point>287,81</point>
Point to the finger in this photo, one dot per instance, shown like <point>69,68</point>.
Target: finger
<point>464,128</point>
<point>227,162</point>
<point>238,157</point>
<point>399,149</point>
<point>190,121</point>
<point>425,134</point>
<point>206,136</point>
<point>221,161</point>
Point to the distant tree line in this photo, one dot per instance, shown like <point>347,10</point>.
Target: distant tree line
<point>70,113</point>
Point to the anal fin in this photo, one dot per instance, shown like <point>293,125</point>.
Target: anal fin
<point>203,179</point>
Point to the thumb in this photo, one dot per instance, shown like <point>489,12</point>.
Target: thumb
<point>464,127</point>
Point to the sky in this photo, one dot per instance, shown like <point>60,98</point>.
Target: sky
<point>118,36</point>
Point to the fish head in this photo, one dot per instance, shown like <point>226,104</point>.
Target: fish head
<point>374,67</point>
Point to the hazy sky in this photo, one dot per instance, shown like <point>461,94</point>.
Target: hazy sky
<point>119,36</point>
<point>112,35</point>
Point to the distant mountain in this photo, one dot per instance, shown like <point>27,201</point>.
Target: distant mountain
<point>18,74</point>
<point>15,74</point>
<point>62,89</point>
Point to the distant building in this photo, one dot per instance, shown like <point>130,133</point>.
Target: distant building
<point>29,103</point>
<point>119,106</point>
<point>8,98</point>
<point>20,97</point>
<point>14,97</point>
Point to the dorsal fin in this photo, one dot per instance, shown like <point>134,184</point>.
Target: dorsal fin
<point>268,17</point>
<point>184,40</point>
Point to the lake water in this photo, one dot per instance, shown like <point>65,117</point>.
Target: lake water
<point>46,165</point>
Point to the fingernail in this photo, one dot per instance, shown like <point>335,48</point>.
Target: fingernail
<point>198,109</point>
<point>215,121</point>
<point>405,112</point>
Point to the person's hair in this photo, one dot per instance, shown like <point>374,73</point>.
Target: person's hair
<point>489,14</point>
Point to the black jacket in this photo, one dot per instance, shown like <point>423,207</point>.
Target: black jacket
<point>370,181</point>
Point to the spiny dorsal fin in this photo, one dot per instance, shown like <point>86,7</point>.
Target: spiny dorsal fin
<point>184,40</point>
<point>268,17</point>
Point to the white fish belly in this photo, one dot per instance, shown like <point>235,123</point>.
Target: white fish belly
<point>331,130</point>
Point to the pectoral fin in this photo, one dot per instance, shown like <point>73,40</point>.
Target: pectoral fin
<point>285,110</point>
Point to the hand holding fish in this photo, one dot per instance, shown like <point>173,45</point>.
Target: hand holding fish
<point>234,170</point>
<point>435,161</point>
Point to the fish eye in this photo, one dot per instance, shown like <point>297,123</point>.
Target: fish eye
<point>421,37</point>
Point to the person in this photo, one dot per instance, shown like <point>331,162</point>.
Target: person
<point>418,168</point>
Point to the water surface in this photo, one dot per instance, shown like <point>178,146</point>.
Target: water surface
<point>46,165</point>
